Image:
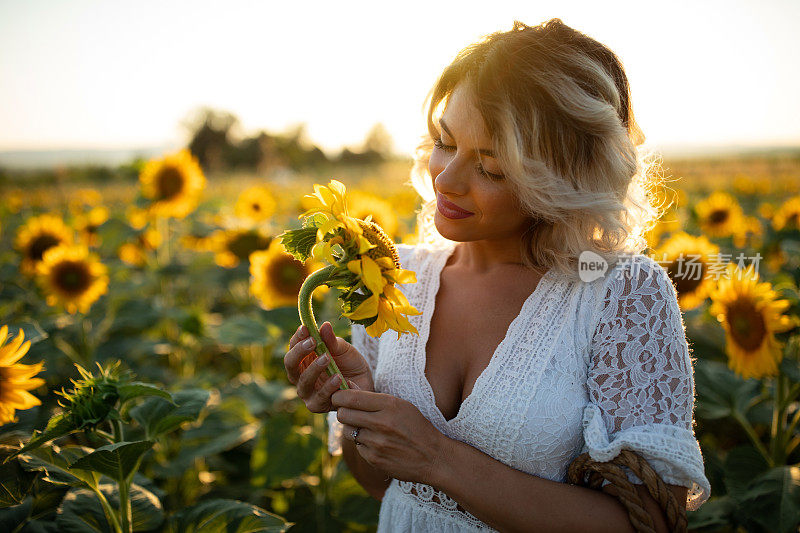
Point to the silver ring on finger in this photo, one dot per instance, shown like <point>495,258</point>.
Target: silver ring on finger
<point>355,436</point>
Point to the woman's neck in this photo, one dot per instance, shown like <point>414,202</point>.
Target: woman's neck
<point>482,257</point>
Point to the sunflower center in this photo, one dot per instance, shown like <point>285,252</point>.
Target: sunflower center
<point>384,245</point>
<point>688,280</point>
<point>244,244</point>
<point>72,277</point>
<point>287,275</point>
<point>747,325</point>
<point>718,216</point>
<point>792,221</point>
<point>41,244</point>
<point>169,183</point>
<point>256,207</point>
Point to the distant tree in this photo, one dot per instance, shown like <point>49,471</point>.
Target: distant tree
<point>378,140</point>
<point>211,136</point>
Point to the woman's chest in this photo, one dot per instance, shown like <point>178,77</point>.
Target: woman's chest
<point>465,331</point>
<point>525,406</point>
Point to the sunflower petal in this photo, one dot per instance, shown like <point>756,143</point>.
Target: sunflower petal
<point>367,309</point>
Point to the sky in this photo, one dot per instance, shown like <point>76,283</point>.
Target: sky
<point>111,74</point>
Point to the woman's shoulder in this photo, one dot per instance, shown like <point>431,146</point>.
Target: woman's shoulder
<point>631,277</point>
<point>413,256</point>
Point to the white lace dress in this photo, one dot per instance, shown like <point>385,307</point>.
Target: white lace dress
<point>594,367</point>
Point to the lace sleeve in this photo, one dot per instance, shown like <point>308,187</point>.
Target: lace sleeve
<point>641,382</point>
<point>368,347</point>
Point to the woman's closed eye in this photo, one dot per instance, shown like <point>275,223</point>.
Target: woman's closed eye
<point>437,142</point>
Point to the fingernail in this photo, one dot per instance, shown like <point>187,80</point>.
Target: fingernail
<point>322,360</point>
<point>308,343</point>
<point>353,385</point>
<point>335,379</point>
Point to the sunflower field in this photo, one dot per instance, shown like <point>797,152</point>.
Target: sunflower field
<point>143,327</point>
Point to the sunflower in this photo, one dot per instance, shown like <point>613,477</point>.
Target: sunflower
<point>362,205</point>
<point>232,246</point>
<point>752,231</point>
<point>138,218</point>
<point>88,223</point>
<point>277,276</point>
<point>667,224</point>
<point>256,203</point>
<point>14,200</point>
<point>173,184</point>
<point>37,236</point>
<point>16,379</point>
<point>83,198</point>
<point>751,315</point>
<point>131,254</point>
<point>720,215</point>
<point>363,262</point>
<point>72,277</point>
<point>688,259</point>
<point>787,217</point>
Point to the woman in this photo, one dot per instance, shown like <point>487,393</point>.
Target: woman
<point>521,362</point>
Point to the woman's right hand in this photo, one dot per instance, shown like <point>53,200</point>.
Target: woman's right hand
<point>314,385</point>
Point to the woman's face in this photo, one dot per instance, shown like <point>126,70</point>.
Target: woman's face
<point>474,201</point>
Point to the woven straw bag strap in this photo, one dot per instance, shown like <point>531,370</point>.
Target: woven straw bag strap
<point>625,491</point>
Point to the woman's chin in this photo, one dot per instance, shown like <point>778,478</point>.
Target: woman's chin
<point>445,228</point>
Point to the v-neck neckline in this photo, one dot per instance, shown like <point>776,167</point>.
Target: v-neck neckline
<point>510,334</point>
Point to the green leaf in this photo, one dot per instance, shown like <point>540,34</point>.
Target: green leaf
<point>241,331</point>
<point>158,416</point>
<point>15,481</point>
<point>259,395</point>
<point>716,512</point>
<point>55,462</point>
<point>282,451</point>
<point>791,367</point>
<point>118,461</point>
<point>33,332</point>
<point>773,499</point>
<point>721,392</point>
<point>224,427</point>
<point>225,516</point>
<point>349,501</point>
<point>299,242</point>
<point>81,511</point>
<point>58,426</point>
<point>136,389</point>
<point>742,465</point>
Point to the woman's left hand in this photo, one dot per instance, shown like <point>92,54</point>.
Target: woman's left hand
<point>394,437</point>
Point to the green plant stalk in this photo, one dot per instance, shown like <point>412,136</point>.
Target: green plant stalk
<point>777,421</point>
<point>753,436</point>
<point>111,515</point>
<point>313,281</point>
<point>162,252</point>
<point>125,506</point>
<point>123,485</point>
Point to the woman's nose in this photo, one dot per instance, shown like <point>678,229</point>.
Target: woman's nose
<point>452,179</point>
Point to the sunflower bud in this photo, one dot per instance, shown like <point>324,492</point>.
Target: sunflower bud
<point>93,397</point>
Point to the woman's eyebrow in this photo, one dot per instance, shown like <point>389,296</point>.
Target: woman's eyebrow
<point>482,151</point>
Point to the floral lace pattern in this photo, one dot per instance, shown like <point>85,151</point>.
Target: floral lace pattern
<point>592,367</point>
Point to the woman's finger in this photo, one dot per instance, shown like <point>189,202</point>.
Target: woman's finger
<point>292,359</point>
<point>336,345</point>
<point>347,431</point>
<point>307,380</point>
<point>300,334</point>
<point>321,401</point>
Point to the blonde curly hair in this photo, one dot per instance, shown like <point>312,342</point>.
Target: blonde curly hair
<point>556,104</point>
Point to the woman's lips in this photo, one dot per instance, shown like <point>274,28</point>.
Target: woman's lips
<point>449,209</point>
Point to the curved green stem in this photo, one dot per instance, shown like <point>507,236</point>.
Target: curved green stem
<point>753,436</point>
<point>110,513</point>
<point>313,281</point>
